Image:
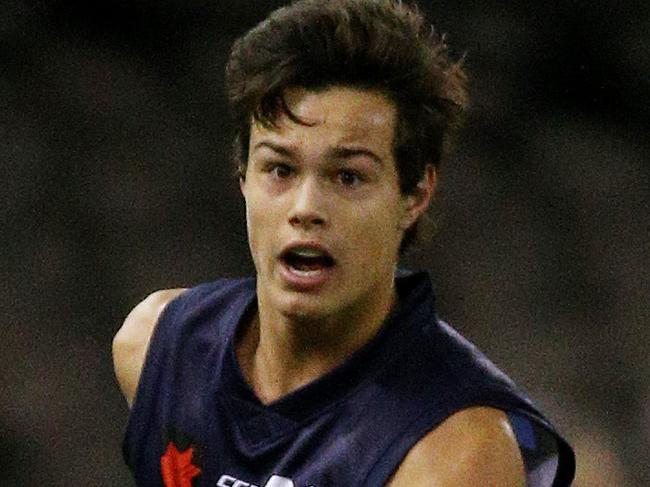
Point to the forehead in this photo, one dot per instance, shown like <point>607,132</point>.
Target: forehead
<point>336,116</point>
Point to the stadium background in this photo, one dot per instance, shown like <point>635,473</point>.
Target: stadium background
<point>115,181</point>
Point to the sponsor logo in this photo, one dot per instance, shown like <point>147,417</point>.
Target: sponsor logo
<point>274,481</point>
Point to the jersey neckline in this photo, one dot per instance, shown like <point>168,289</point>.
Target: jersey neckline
<point>313,399</point>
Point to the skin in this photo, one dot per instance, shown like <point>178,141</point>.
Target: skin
<point>131,342</point>
<point>474,447</point>
<point>333,181</point>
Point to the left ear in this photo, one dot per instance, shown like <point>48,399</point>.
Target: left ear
<point>242,183</point>
<point>416,203</point>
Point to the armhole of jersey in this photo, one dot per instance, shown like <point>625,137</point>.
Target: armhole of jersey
<point>136,422</point>
<point>539,450</point>
<point>152,347</point>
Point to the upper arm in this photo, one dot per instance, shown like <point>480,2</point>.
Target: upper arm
<point>475,446</point>
<point>131,342</point>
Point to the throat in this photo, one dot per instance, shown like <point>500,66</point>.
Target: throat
<point>278,354</point>
<point>275,364</point>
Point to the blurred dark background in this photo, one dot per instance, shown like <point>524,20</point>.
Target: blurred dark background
<point>115,181</point>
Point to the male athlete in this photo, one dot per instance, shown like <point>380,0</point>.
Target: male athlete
<point>330,367</point>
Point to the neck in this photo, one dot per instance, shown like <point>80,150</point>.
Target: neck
<point>279,354</point>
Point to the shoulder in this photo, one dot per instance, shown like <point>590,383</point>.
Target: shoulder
<point>475,446</point>
<point>132,340</point>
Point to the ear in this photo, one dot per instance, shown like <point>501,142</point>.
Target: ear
<point>242,180</point>
<point>416,204</point>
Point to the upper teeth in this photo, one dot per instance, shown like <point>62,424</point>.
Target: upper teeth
<point>308,252</point>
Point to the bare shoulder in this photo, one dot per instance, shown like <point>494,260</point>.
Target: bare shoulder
<point>132,340</point>
<point>475,446</point>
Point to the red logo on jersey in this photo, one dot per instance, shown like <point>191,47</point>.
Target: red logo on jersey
<point>177,468</point>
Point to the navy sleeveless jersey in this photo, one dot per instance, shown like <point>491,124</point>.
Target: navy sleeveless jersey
<point>196,422</point>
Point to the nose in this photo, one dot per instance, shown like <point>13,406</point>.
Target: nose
<point>308,206</point>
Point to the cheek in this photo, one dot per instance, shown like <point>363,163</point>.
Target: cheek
<point>255,224</point>
<point>375,226</point>
<point>263,219</point>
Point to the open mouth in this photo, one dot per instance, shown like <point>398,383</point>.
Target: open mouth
<point>307,260</point>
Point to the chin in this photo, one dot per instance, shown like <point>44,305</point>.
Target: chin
<point>303,307</point>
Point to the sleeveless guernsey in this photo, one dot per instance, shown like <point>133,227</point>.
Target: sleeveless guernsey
<point>195,421</point>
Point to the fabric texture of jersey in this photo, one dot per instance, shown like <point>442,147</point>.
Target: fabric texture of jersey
<point>196,422</point>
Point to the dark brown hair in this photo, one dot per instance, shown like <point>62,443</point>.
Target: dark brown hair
<point>385,45</point>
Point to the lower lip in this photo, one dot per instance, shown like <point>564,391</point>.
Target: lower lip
<point>305,281</point>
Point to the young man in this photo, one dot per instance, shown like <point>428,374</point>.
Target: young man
<point>330,368</point>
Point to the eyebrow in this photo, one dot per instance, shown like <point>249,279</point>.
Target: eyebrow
<point>280,149</point>
<point>349,152</point>
<point>335,152</point>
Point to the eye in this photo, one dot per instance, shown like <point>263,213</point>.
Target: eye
<point>280,170</point>
<point>349,178</point>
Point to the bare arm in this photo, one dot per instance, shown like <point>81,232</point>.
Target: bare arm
<point>132,340</point>
<point>475,446</point>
